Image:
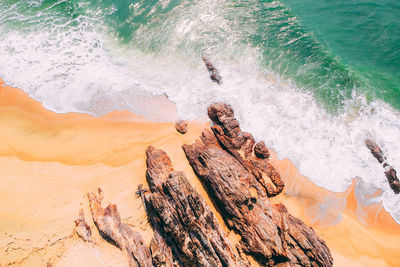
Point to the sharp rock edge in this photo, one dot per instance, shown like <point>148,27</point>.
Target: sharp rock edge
<point>225,163</point>
<point>179,213</point>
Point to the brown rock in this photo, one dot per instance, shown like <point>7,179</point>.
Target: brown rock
<point>261,151</point>
<point>375,150</point>
<point>269,232</point>
<point>181,127</point>
<point>182,217</point>
<point>390,173</point>
<point>240,145</point>
<point>161,252</point>
<point>214,74</point>
<point>234,178</point>
<point>82,228</point>
<point>393,180</point>
<point>108,221</point>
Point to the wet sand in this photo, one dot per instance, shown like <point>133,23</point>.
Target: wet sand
<point>49,161</point>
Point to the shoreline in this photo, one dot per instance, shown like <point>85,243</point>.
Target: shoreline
<point>50,161</point>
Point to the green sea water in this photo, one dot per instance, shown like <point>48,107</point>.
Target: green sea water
<point>334,49</point>
<point>364,35</point>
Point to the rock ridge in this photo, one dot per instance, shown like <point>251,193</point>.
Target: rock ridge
<point>233,174</point>
<point>179,213</point>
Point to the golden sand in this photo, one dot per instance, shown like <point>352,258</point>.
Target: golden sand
<point>49,161</point>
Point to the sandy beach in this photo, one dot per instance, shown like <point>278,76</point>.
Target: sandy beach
<point>50,161</point>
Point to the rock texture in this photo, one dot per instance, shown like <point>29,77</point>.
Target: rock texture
<point>161,252</point>
<point>240,145</point>
<point>214,74</point>
<point>82,228</point>
<point>181,127</point>
<point>108,221</point>
<point>234,178</point>
<point>390,172</point>
<point>182,217</point>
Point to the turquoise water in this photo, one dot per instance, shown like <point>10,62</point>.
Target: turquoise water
<point>333,49</point>
<point>311,78</point>
<point>364,34</point>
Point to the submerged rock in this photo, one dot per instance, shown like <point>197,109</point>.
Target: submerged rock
<point>236,184</point>
<point>375,150</point>
<point>214,74</point>
<point>390,172</point>
<point>393,180</point>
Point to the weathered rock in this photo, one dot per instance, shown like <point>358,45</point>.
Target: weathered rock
<point>161,252</point>
<point>82,228</point>
<point>182,217</point>
<point>375,150</point>
<point>390,172</point>
<point>238,143</point>
<point>261,151</point>
<point>181,127</point>
<point>214,74</point>
<point>393,180</point>
<point>108,221</point>
<point>269,233</point>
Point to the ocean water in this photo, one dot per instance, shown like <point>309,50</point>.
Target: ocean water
<point>311,78</point>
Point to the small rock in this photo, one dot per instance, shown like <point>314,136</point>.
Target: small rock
<point>181,127</point>
<point>82,228</point>
<point>261,151</point>
<point>394,182</point>
<point>390,172</point>
<point>214,74</point>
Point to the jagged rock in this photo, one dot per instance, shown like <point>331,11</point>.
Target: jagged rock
<point>375,150</point>
<point>214,74</point>
<point>181,127</point>
<point>161,252</point>
<point>237,143</point>
<point>261,151</point>
<point>108,221</point>
<point>269,233</point>
<point>393,180</point>
<point>180,214</point>
<point>82,228</point>
<point>390,172</point>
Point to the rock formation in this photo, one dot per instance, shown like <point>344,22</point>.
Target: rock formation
<point>390,172</point>
<point>234,178</point>
<point>108,221</point>
<point>240,145</point>
<point>182,217</point>
<point>214,74</point>
<point>181,127</point>
<point>161,252</point>
<point>82,228</point>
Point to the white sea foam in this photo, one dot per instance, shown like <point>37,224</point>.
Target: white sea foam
<point>82,71</point>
